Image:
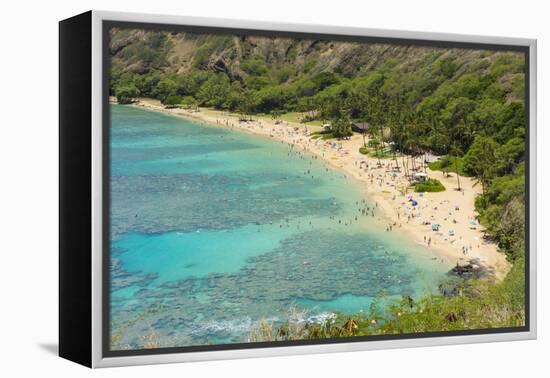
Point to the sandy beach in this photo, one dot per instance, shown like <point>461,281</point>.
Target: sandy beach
<point>459,238</point>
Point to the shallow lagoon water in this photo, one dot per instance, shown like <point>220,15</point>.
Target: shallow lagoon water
<point>214,229</point>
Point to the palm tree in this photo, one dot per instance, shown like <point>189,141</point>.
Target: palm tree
<point>412,143</point>
<point>394,124</point>
<point>484,151</point>
<point>276,114</point>
<point>455,151</point>
<point>376,144</point>
<point>374,124</point>
<point>361,102</point>
<point>425,148</point>
<point>363,128</point>
<point>394,150</point>
<point>407,145</point>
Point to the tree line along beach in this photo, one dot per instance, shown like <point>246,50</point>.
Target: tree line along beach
<point>459,238</point>
<point>433,137</point>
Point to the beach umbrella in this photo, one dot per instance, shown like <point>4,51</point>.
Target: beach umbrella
<point>414,203</point>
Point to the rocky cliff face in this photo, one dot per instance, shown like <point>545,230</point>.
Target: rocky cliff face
<point>140,51</point>
<point>258,61</point>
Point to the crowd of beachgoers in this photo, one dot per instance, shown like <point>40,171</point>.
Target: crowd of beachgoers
<point>444,222</point>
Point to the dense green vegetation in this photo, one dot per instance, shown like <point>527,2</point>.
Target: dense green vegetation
<point>463,105</point>
<point>430,185</point>
<point>448,164</point>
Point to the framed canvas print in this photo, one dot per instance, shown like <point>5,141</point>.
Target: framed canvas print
<point>237,189</point>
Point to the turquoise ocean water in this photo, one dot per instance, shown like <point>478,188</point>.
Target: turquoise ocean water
<point>214,229</point>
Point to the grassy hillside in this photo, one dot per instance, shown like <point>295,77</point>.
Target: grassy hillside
<point>285,73</point>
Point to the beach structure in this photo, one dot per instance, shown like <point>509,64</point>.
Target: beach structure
<point>360,127</point>
<point>420,177</point>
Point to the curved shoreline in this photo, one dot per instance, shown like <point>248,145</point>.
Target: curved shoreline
<point>452,210</point>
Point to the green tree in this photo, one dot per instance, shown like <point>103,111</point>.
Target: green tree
<point>456,152</point>
<point>215,91</point>
<point>246,103</point>
<point>172,101</point>
<point>276,114</point>
<point>166,86</point>
<point>126,94</point>
<point>189,102</point>
<point>480,160</point>
<point>341,126</point>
